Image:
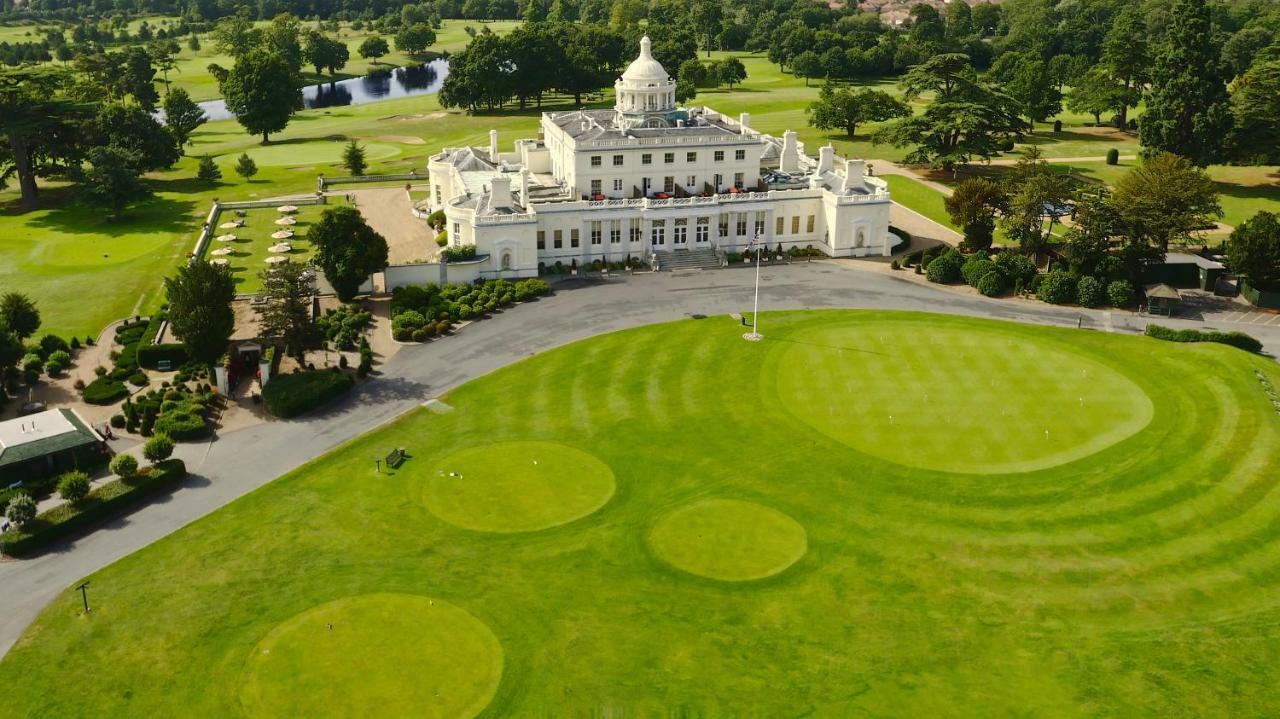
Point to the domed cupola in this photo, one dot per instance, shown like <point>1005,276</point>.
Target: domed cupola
<point>645,94</point>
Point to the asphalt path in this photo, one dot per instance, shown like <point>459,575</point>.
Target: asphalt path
<point>235,463</point>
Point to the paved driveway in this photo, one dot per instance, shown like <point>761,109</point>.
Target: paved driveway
<point>238,462</point>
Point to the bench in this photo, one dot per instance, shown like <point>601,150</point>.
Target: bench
<point>396,456</point>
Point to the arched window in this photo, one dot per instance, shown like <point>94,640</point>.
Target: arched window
<point>862,239</point>
<point>506,260</point>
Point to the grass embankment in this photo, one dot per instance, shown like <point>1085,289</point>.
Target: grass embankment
<point>775,505</point>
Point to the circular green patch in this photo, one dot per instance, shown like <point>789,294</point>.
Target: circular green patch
<point>518,486</point>
<point>729,539</point>
<point>957,399</point>
<point>374,654</point>
<point>313,152</point>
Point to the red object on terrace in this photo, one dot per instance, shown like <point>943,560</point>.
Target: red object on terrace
<point>598,197</point>
<point>663,196</point>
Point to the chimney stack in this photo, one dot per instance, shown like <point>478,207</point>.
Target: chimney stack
<point>493,146</point>
<point>524,189</point>
<point>744,122</point>
<point>826,158</point>
<point>790,160</point>
<point>854,170</point>
<point>500,191</point>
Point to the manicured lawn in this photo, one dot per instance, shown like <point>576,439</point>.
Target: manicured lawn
<point>809,525</point>
<point>251,248</point>
<point>919,197</point>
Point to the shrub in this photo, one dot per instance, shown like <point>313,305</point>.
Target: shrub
<point>1016,266</point>
<point>105,391</point>
<point>124,465</point>
<point>975,268</point>
<point>945,269</point>
<point>150,356</point>
<point>1239,340</point>
<point>53,343</point>
<point>33,362</point>
<point>402,335</point>
<point>436,219</point>
<point>894,265</point>
<point>100,370</point>
<point>182,423</point>
<point>1057,287</point>
<point>458,254</point>
<point>1089,292</point>
<point>1119,293</point>
<point>442,239</point>
<point>62,357</point>
<point>118,421</point>
<point>1113,156</point>
<point>54,368</point>
<point>992,284</point>
<point>1057,125</point>
<point>75,343</point>
<point>295,394</point>
<point>21,509</point>
<point>138,379</point>
<point>159,447</point>
<point>420,335</point>
<point>73,486</point>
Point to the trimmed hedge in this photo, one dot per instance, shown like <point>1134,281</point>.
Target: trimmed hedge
<point>1239,340</point>
<point>291,395</point>
<point>105,390</point>
<point>101,504</point>
<point>150,356</point>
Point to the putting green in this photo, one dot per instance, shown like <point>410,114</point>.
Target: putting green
<point>383,654</point>
<point>518,486</point>
<point>309,153</point>
<point>986,401</point>
<point>728,539</point>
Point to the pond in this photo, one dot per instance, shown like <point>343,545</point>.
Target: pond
<point>424,79</point>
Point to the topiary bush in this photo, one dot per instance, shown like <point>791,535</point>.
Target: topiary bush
<point>1120,293</point>
<point>73,486</point>
<point>1016,266</point>
<point>1113,156</point>
<point>975,268</point>
<point>946,268</point>
<point>105,390</point>
<point>182,423</point>
<point>1089,292</point>
<point>1239,340</point>
<point>1057,287</point>
<point>296,394</point>
<point>992,284</point>
<point>124,465</point>
<point>138,379</point>
<point>158,448</point>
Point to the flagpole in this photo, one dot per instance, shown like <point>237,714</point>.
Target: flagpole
<point>754,335</point>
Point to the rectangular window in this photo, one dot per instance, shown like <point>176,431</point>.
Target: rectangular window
<point>559,239</point>
<point>646,159</point>
<point>573,237</point>
<point>680,234</point>
<point>637,229</point>
<point>719,156</point>
<point>658,233</point>
<point>795,224</point>
<point>596,232</point>
<point>703,229</point>
<point>617,184</point>
<point>542,239</point>
<point>739,155</point>
<point>617,160</point>
<point>615,232</point>
<point>808,224</point>
<point>724,225</point>
<point>738,180</point>
<point>668,184</point>
<point>690,157</point>
<point>455,237</point>
<point>669,157</point>
<point>760,223</point>
<point>595,160</point>
<point>438,200</point>
<point>779,226</point>
<point>719,183</point>
<point>742,224</point>
<point>595,188</point>
<point>693,181</point>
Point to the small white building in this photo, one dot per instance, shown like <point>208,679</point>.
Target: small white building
<point>650,178</point>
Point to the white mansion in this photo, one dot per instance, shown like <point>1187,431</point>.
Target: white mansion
<point>648,178</point>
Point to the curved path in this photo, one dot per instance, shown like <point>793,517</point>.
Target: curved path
<point>238,462</point>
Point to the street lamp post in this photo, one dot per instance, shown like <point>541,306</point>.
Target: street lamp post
<point>84,596</point>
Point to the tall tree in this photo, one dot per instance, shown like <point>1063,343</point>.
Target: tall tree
<point>708,17</point>
<point>283,36</point>
<point>200,296</point>
<point>1034,89</point>
<point>973,206</point>
<point>1096,93</point>
<point>182,115</point>
<point>19,314</point>
<point>324,53</point>
<point>967,118</point>
<point>113,179</point>
<point>1036,193</point>
<point>1253,249</point>
<point>731,71</point>
<point>1164,199</point>
<point>415,39</point>
<point>374,47</point>
<point>1188,112</point>
<point>1255,103</point>
<point>845,108</point>
<point>1126,55</point>
<point>138,78</point>
<point>262,92</point>
<point>353,158</point>
<point>286,315</point>
<point>347,249</point>
<point>133,128</point>
<point>41,126</point>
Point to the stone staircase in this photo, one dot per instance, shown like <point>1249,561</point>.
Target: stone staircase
<point>704,259</point>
